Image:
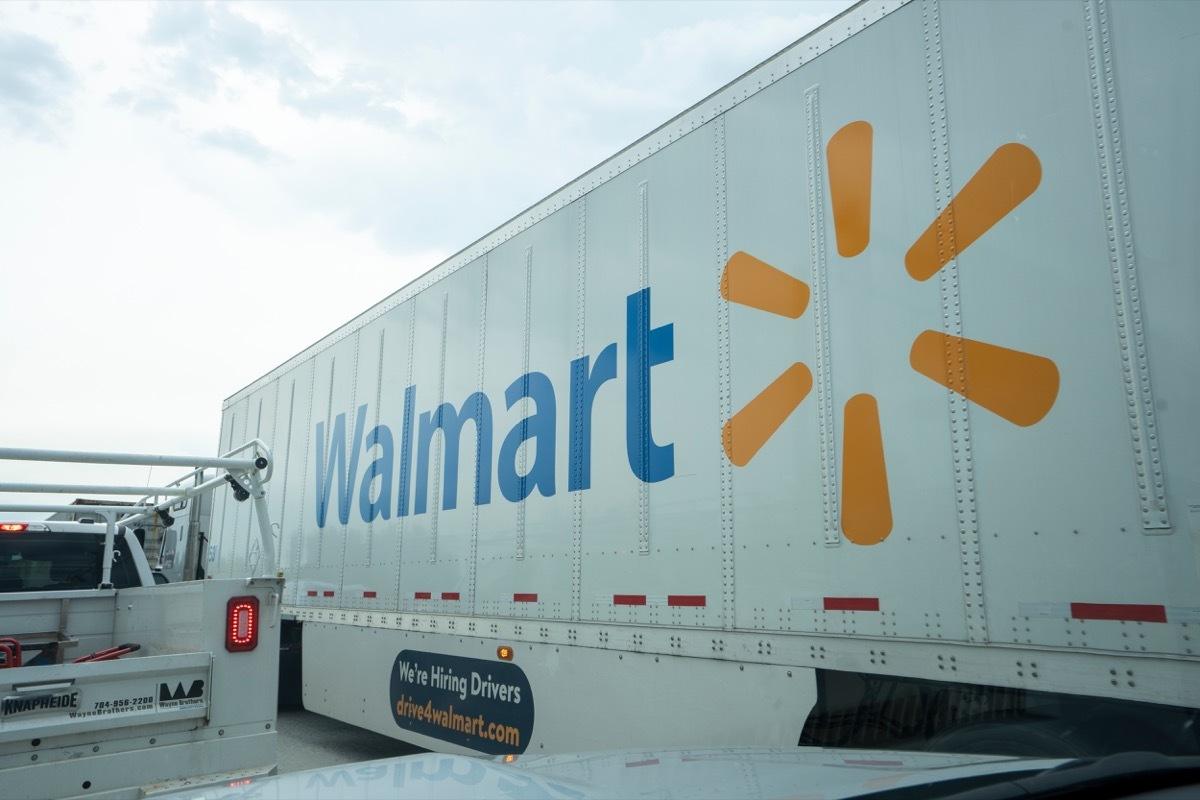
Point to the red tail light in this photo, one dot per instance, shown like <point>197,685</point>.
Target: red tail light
<point>12,527</point>
<point>241,624</point>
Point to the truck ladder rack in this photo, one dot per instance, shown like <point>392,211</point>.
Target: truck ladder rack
<point>245,469</point>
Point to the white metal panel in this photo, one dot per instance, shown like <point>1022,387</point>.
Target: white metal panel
<point>429,311</point>
<point>334,462</point>
<point>436,546</point>
<point>371,573</point>
<point>504,359</point>
<point>684,539</point>
<point>777,497</point>
<point>525,546</point>
<point>871,311</point>
<point>660,537</point>
<point>546,536</point>
<point>398,397</point>
<point>1038,510</point>
<point>692,701</point>
<point>1041,281</point>
<point>290,486</point>
<point>610,506</point>
<point>356,542</point>
<point>1159,125</point>
<point>611,501</point>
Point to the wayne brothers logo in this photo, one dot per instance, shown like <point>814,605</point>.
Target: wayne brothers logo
<point>178,697</point>
<point>1017,386</point>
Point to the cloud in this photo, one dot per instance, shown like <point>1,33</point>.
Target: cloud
<point>239,142</point>
<point>35,84</point>
<point>177,23</point>
<point>202,48</point>
<point>148,103</point>
<point>205,39</point>
<point>366,95</point>
<point>358,93</point>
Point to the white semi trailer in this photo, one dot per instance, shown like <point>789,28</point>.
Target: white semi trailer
<point>854,405</point>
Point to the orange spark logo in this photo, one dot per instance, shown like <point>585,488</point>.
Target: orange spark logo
<point>1019,387</point>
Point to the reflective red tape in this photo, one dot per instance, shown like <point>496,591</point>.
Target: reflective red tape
<point>312,593</point>
<point>328,594</point>
<point>629,599</point>
<point>449,595</point>
<point>686,600</point>
<point>423,596</point>
<point>369,594</point>
<point>650,762</point>
<point>851,603</point>
<point>525,598</point>
<point>1128,612</point>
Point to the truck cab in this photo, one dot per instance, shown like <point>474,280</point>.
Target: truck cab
<point>64,556</point>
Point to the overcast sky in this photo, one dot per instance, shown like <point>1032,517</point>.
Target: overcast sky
<point>192,193</point>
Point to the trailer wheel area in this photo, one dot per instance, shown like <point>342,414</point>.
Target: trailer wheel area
<point>871,711</point>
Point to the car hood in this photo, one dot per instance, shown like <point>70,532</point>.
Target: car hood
<point>796,773</point>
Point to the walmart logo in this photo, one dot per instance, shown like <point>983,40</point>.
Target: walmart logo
<point>1019,387</point>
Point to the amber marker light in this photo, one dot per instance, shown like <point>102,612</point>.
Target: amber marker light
<point>509,759</point>
<point>504,653</point>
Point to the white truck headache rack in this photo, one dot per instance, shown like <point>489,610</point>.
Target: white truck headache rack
<point>245,469</point>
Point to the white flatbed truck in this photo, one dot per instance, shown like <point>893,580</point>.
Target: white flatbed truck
<point>112,686</point>
<point>855,405</point>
